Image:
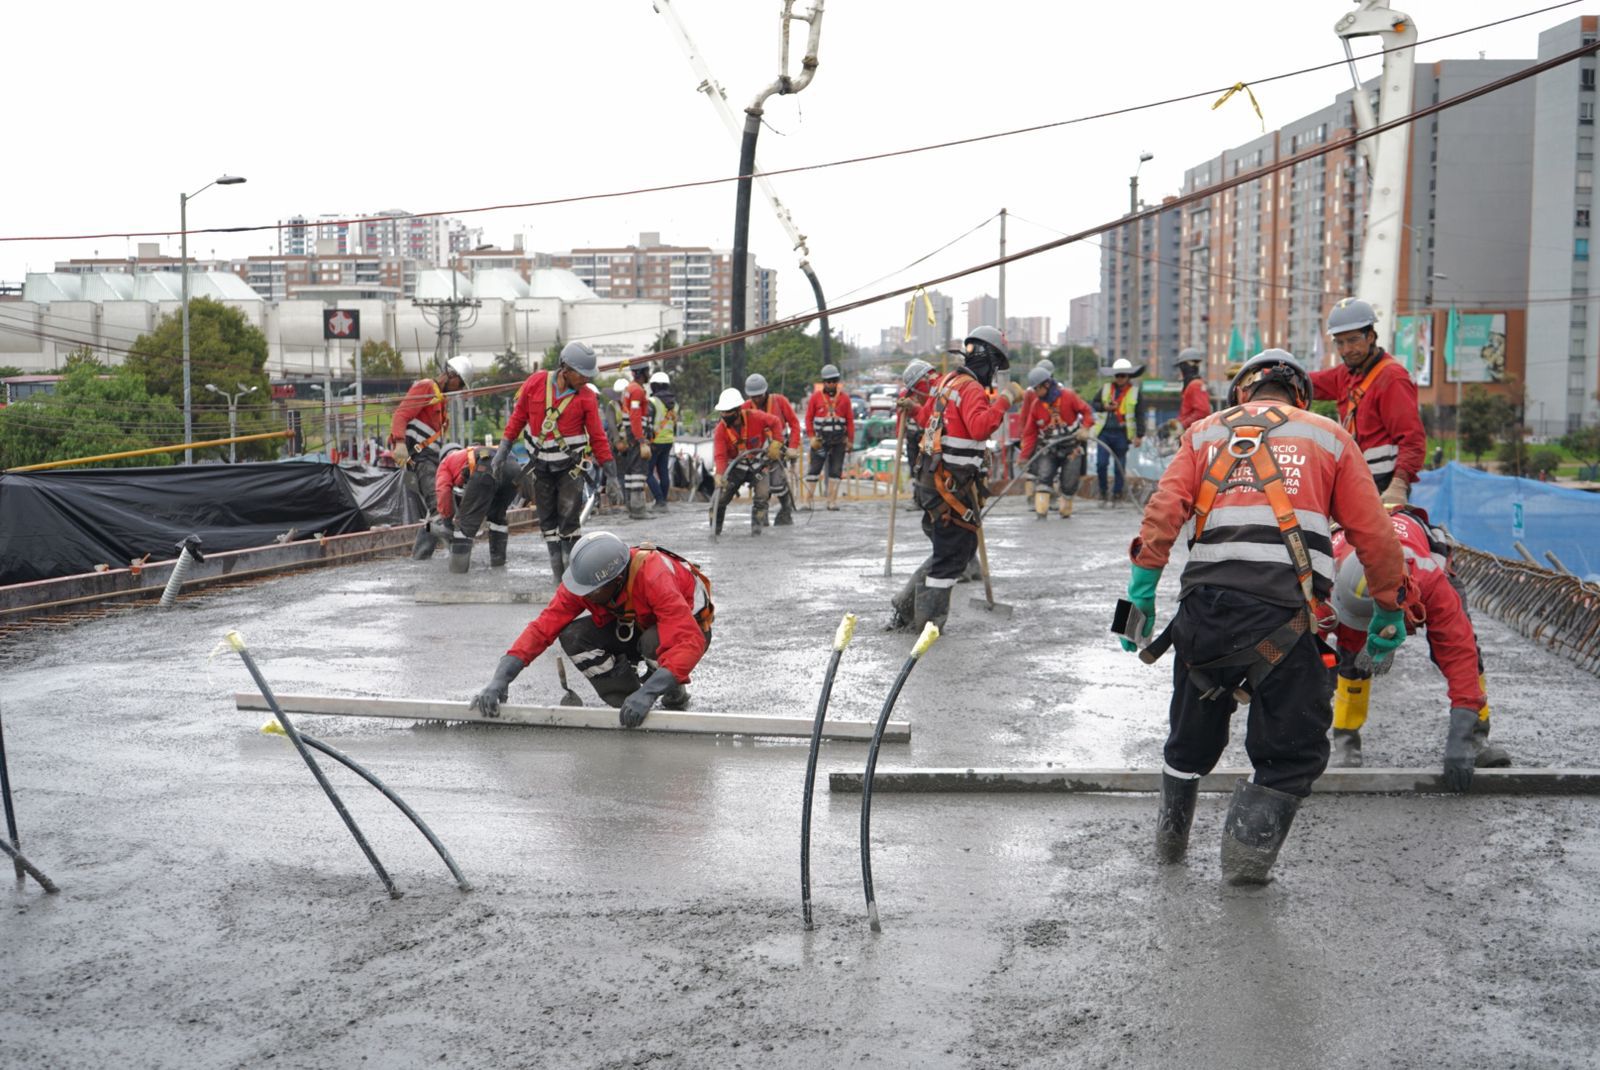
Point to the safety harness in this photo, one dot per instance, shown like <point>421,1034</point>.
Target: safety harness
<point>550,430</point>
<point>1354,399</point>
<point>444,419</point>
<point>958,512</point>
<point>627,618</point>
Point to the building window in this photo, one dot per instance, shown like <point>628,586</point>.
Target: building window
<point>1585,179</point>
<point>1580,249</point>
<point>1586,113</point>
<point>1586,78</point>
<point>1583,217</point>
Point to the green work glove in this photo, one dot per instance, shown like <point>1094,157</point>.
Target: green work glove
<point>1385,633</point>
<point>1142,593</point>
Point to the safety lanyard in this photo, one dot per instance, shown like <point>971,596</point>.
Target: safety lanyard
<point>553,412</point>
<point>1349,421</point>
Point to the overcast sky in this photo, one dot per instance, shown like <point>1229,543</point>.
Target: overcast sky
<point>354,107</point>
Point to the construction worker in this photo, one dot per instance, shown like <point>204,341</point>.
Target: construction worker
<point>1194,404</point>
<point>559,419</point>
<point>1438,608</point>
<point>1253,596</point>
<point>1377,400</point>
<point>1120,422</point>
<point>831,426</point>
<point>419,421</point>
<point>1054,428</point>
<point>919,379</point>
<point>1028,400</point>
<point>958,417</point>
<point>639,429</point>
<point>664,419</point>
<point>761,399</point>
<point>643,604</point>
<point>747,446</point>
<point>469,493</point>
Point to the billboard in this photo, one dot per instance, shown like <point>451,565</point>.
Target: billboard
<point>1413,347</point>
<point>1475,347</point>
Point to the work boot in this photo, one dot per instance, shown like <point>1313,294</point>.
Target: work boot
<point>932,607</point>
<point>1345,750</point>
<point>1489,755</point>
<point>903,606</point>
<point>460,552</point>
<point>497,547</point>
<point>636,508</point>
<point>722,511</point>
<point>423,548</point>
<point>1066,506</point>
<point>785,512</point>
<point>660,506</point>
<point>1175,816</point>
<point>1041,504</point>
<point>558,563</point>
<point>1257,824</point>
<point>1104,501</point>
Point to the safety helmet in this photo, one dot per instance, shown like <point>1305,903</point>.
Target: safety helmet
<point>597,559</point>
<point>641,373</point>
<point>1351,314</point>
<point>461,367</point>
<point>581,359</point>
<point>996,341</point>
<point>1352,601</point>
<point>1048,365</point>
<point>731,399</point>
<point>1037,377</point>
<point>756,384</point>
<point>620,386</point>
<point>449,448</point>
<point>1272,366</point>
<point>1124,366</point>
<point>914,373</point>
<point>1191,355</point>
<point>829,373</point>
<point>660,379</point>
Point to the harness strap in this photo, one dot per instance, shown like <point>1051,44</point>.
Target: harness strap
<point>1261,657</point>
<point>1349,421</point>
<point>553,411</point>
<point>626,615</point>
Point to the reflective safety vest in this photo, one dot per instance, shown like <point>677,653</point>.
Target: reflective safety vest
<point>1126,409</point>
<point>662,421</point>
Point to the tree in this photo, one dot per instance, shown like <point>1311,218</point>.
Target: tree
<point>1584,444</point>
<point>1077,366</point>
<point>83,357</point>
<point>788,359</point>
<point>1481,418</point>
<point>94,410</point>
<point>8,370</point>
<point>552,356</point>
<point>226,350</point>
<point>380,360</point>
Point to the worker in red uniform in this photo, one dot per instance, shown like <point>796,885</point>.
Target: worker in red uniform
<point>831,426</point>
<point>1254,594</point>
<point>1054,428</point>
<point>1028,401</point>
<point>1436,607</point>
<point>558,417</point>
<point>617,607</point>
<point>918,381</point>
<point>469,493</point>
<point>760,398</point>
<point>1377,400</point>
<point>746,446</point>
<point>1194,404</point>
<point>639,429</point>
<point>420,421</point>
<point>959,416</point>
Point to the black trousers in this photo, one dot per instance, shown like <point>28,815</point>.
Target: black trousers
<point>953,545</point>
<point>609,660</point>
<point>1290,712</point>
<point>1057,463</point>
<point>830,458</point>
<point>420,472</point>
<point>485,498</point>
<point>759,476</point>
<point>558,496</point>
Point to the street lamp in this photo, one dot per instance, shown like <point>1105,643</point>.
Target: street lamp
<point>183,239</point>
<point>233,415</point>
<point>1134,326</point>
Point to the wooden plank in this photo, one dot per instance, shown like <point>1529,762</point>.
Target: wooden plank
<point>477,598</point>
<point>1525,781</point>
<point>574,717</point>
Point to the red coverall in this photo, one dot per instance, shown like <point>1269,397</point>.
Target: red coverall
<point>1195,404</point>
<point>1386,421</point>
<point>1069,409</point>
<point>969,417</point>
<point>581,417</point>
<point>420,418</point>
<point>778,405</point>
<point>753,430</point>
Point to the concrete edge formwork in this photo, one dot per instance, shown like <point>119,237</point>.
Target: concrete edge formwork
<point>731,724</point>
<point>476,598</point>
<point>1333,782</point>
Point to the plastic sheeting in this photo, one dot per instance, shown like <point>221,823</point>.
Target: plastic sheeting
<point>66,522</point>
<point>1490,512</point>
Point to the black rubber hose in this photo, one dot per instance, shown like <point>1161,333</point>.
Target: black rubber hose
<point>840,640</point>
<point>5,792</point>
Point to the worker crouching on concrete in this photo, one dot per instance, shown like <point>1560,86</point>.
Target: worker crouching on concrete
<point>746,447</point>
<point>777,406</point>
<point>1436,607</point>
<point>419,421</point>
<point>619,606</point>
<point>469,492</point>
<point>1054,428</point>
<point>1254,593</point>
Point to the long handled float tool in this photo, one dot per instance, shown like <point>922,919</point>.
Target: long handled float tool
<point>841,639</point>
<point>894,493</point>
<point>987,601</point>
<point>929,634</point>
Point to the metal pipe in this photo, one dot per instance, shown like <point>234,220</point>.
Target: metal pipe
<point>822,307</point>
<point>286,433</point>
<point>1526,556</point>
<point>1550,556</point>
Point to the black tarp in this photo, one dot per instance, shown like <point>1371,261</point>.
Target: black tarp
<point>66,522</point>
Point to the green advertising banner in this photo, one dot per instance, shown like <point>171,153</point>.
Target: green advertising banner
<point>1413,347</point>
<point>1475,347</point>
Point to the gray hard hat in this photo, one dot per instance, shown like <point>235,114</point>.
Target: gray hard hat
<point>996,341</point>
<point>1191,355</point>
<point>914,373</point>
<point>755,384</point>
<point>449,448</point>
<point>1037,377</point>
<point>597,559</point>
<point>1047,364</point>
<point>828,372</point>
<point>581,359</point>
<point>1352,601</point>
<point>1272,365</point>
<point>1351,314</point>
<point>461,367</point>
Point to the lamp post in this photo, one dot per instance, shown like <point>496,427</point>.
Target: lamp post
<point>1136,341</point>
<point>183,240</point>
<point>233,415</point>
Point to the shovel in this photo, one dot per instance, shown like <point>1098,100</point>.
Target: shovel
<point>987,601</point>
<point>569,697</point>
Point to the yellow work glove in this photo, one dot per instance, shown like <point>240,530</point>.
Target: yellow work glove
<point>774,450</point>
<point>1082,434</point>
<point>1014,392</point>
<point>793,453</point>
<point>816,443</point>
<point>1398,491</point>
<point>400,453</point>
<point>644,449</point>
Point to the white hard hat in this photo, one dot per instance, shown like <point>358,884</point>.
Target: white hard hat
<point>1123,366</point>
<point>620,386</point>
<point>731,399</point>
<point>660,378</point>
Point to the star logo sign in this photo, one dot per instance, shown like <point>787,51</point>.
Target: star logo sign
<point>340,324</point>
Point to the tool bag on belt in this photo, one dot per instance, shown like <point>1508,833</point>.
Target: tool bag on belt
<point>626,618</point>
<point>954,494</point>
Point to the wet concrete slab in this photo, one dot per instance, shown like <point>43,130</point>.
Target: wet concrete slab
<point>638,895</point>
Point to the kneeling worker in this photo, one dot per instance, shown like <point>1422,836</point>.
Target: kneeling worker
<point>643,604</point>
<point>467,476</point>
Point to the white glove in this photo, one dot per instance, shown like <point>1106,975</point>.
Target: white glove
<point>1398,490</point>
<point>400,453</point>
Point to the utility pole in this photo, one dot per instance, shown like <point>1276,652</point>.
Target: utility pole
<point>445,316</point>
<point>1002,313</point>
<point>1136,267</point>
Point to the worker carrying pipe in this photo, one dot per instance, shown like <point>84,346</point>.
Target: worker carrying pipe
<point>1054,428</point>
<point>420,420</point>
<point>831,426</point>
<point>470,494</point>
<point>1377,400</point>
<point>1440,611</point>
<point>958,418</point>
<point>1262,481</point>
<point>747,447</point>
<point>620,609</point>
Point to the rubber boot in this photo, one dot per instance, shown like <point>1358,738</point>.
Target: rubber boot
<point>758,519</point>
<point>1257,824</point>
<point>1489,755</point>
<point>932,607</point>
<point>1175,816</point>
<point>1066,506</point>
<point>677,698</point>
<point>558,563</point>
<point>1041,504</point>
<point>423,548</point>
<point>785,516</point>
<point>1344,752</point>
<point>833,495</point>
<point>497,548</point>
<point>636,507</point>
<point>1028,487</point>
<point>722,511</point>
<point>903,606</point>
<point>460,552</point>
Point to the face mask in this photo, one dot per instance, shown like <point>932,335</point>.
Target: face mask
<point>830,388</point>
<point>731,417</point>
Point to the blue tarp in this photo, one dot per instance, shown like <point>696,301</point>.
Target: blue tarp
<point>1490,512</point>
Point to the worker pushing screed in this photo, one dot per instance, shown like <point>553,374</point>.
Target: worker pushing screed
<point>619,608</point>
<point>1263,481</point>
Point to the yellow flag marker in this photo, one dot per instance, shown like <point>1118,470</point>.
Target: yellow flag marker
<point>1237,87</point>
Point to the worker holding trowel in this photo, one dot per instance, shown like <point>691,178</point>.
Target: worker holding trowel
<point>1262,481</point>
<point>618,607</point>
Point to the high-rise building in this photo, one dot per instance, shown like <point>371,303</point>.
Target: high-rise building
<point>1083,320</point>
<point>981,310</point>
<point>1146,263</point>
<point>1033,330</point>
<point>392,233</point>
